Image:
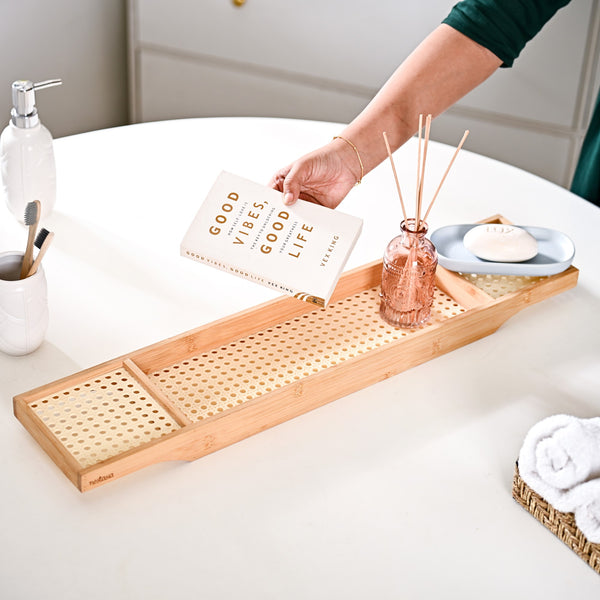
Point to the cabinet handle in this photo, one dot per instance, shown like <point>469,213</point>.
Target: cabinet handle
<point>239,2</point>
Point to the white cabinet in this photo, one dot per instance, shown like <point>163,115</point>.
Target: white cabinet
<point>325,59</point>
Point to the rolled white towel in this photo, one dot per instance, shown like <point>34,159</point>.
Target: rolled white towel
<point>571,454</point>
<point>559,453</point>
<point>586,497</point>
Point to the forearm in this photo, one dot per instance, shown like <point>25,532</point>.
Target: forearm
<point>442,69</point>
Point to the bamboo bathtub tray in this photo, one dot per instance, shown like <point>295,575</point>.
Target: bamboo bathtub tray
<point>205,389</point>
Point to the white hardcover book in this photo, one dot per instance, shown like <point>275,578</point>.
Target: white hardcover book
<point>244,228</point>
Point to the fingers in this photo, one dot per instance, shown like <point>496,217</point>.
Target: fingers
<point>276,181</point>
<point>291,189</point>
<point>286,181</point>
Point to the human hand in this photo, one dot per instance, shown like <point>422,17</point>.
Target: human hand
<point>324,176</point>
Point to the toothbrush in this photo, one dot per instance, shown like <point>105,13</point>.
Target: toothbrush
<point>42,241</point>
<point>32,218</point>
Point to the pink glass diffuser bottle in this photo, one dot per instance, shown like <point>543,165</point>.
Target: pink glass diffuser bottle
<point>408,277</point>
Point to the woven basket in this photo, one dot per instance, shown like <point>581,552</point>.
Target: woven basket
<point>560,524</point>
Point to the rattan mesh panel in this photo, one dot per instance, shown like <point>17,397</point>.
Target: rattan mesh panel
<point>500,285</point>
<point>103,417</point>
<point>215,381</point>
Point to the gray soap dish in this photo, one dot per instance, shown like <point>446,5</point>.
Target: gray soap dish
<point>555,253</point>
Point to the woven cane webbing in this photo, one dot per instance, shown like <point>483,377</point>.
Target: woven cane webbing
<point>560,524</point>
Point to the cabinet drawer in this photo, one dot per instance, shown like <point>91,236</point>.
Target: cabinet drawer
<point>213,91</point>
<point>538,152</point>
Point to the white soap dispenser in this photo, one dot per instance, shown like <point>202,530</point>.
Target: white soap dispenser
<point>26,153</point>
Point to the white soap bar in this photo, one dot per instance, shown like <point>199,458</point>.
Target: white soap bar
<point>500,243</point>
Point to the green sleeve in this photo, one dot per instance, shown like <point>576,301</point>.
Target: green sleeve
<point>586,182</point>
<point>502,26</point>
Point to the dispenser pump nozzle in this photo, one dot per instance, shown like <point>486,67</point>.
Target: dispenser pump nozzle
<point>24,112</point>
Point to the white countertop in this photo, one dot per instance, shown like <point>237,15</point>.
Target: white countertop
<point>400,490</point>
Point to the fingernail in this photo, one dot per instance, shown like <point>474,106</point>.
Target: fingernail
<point>288,198</point>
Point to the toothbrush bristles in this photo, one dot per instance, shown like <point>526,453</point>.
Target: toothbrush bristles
<point>40,238</point>
<point>31,213</point>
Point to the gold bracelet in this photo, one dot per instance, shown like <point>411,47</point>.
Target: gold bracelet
<point>362,169</point>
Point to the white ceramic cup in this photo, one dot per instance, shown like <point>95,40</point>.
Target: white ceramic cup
<point>23,306</point>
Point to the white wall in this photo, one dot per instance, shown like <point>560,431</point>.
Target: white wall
<point>83,42</point>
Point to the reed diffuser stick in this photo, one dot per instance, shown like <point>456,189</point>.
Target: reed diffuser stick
<point>422,175</point>
<point>419,154</point>
<point>389,152</point>
<point>464,137</point>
